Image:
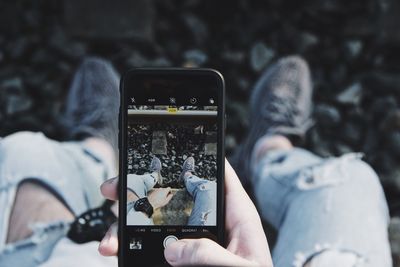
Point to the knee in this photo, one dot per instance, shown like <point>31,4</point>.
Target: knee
<point>208,186</point>
<point>364,176</point>
<point>351,171</point>
<point>22,145</point>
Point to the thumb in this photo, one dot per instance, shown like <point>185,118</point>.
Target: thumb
<point>202,252</point>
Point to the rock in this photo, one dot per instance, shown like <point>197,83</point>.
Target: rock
<point>327,116</point>
<point>305,41</point>
<point>195,58</point>
<point>12,84</point>
<point>353,48</point>
<point>352,95</point>
<point>197,28</point>
<point>260,56</point>
<point>243,84</point>
<point>114,20</point>
<point>230,143</point>
<point>136,59</point>
<point>17,104</point>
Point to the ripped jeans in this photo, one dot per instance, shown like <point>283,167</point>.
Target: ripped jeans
<point>203,192</point>
<point>332,211</point>
<point>71,171</point>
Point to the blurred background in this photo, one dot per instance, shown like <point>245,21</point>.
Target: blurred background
<point>351,46</point>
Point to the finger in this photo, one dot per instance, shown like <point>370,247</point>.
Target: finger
<point>243,217</point>
<point>109,189</point>
<point>169,197</point>
<point>232,182</point>
<point>202,252</point>
<point>167,191</point>
<point>109,245</point>
<point>236,196</point>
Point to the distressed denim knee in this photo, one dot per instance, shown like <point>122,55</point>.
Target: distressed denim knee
<point>318,205</point>
<point>204,195</point>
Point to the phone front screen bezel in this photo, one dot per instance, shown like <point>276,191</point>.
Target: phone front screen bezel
<point>164,83</point>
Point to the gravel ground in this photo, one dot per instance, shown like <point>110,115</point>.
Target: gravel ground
<point>182,142</point>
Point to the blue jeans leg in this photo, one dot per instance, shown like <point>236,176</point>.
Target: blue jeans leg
<point>330,210</point>
<point>141,184</point>
<point>204,195</point>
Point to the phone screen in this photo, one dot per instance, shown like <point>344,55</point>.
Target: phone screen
<point>172,160</point>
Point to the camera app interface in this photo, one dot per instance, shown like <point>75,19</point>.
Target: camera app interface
<point>172,139</point>
<point>172,166</point>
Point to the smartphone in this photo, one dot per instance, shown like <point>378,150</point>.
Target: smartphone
<point>171,149</point>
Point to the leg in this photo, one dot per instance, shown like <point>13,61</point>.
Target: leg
<point>140,185</point>
<point>42,181</point>
<point>43,185</point>
<point>331,212</point>
<point>204,195</point>
<point>279,105</point>
<point>328,212</point>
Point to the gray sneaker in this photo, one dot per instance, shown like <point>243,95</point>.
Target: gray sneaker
<point>188,166</point>
<point>92,104</point>
<point>155,166</point>
<point>280,104</point>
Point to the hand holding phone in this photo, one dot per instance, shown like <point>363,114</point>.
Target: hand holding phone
<point>171,155</point>
<point>246,242</point>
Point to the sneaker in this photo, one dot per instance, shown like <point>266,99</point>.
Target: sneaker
<point>155,166</point>
<point>188,166</point>
<point>92,104</point>
<point>280,104</point>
